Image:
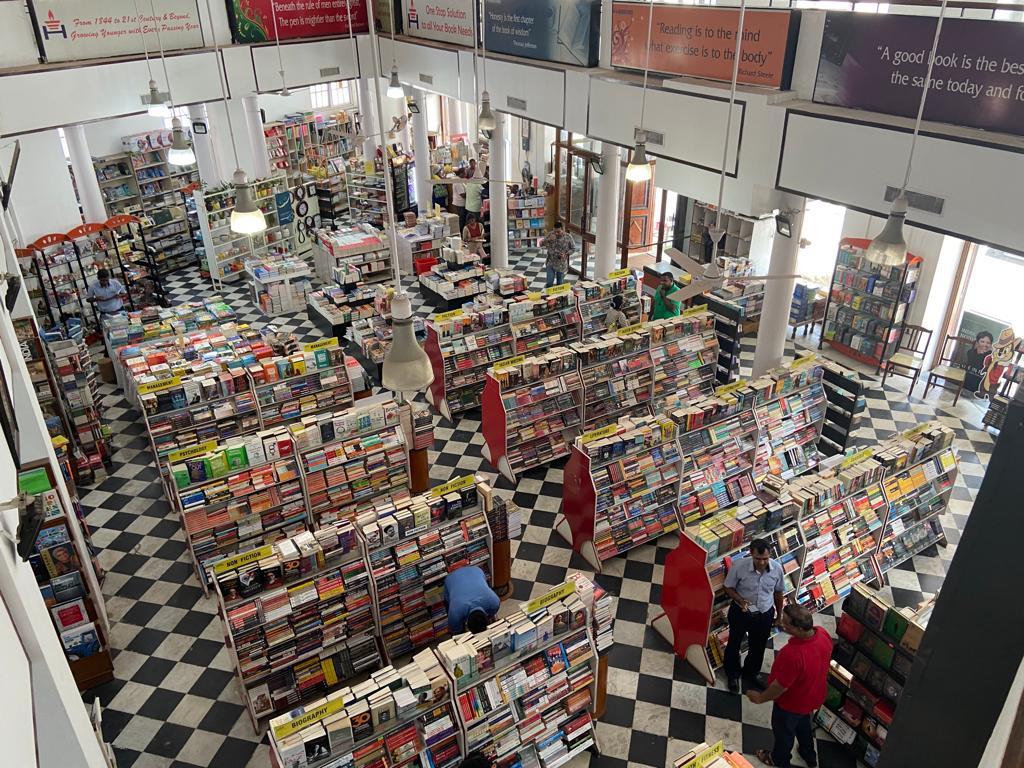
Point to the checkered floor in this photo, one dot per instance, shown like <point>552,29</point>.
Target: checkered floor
<point>175,701</point>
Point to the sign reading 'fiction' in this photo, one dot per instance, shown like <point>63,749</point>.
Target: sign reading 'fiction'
<point>565,31</point>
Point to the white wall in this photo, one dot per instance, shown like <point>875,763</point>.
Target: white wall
<point>276,107</point>
<point>104,137</point>
<point>17,42</point>
<point>43,199</point>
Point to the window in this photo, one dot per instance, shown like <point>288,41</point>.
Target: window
<point>823,227</point>
<point>327,95</point>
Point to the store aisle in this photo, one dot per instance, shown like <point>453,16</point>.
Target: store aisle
<point>175,701</point>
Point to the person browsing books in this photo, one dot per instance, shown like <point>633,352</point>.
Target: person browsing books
<point>616,318</point>
<point>105,293</point>
<point>797,685</point>
<point>470,600</point>
<point>664,306</point>
<point>473,235</point>
<point>756,584</point>
<point>559,246</point>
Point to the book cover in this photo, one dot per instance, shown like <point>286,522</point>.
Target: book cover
<point>70,615</point>
<point>81,642</point>
<point>60,560</point>
<point>68,587</point>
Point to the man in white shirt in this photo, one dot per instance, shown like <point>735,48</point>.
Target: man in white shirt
<point>106,294</point>
<point>756,584</point>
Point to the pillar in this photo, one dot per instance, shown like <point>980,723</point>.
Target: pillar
<point>207,160</point>
<point>608,213</point>
<point>257,141</point>
<point>422,149</point>
<point>456,116</point>
<point>499,162</point>
<point>778,294</point>
<point>89,194</point>
<point>367,110</point>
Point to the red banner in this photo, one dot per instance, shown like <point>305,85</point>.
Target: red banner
<point>253,22</point>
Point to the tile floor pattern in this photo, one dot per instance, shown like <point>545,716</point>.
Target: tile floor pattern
<point>176,702</point>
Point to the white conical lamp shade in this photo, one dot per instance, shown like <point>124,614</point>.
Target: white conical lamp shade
<point>889,248</point>
<point>639,168</point>
<point>395,90</point>
<point>157,102</point>
<point>246,218</point>
<point>486,121</point>
<point>180,152</point>
<point>406,366</point>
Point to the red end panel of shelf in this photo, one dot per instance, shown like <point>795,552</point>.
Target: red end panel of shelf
<point>433,350</point>
<point>493,419</point>
<point>686,596</point>
<point>579,498</point>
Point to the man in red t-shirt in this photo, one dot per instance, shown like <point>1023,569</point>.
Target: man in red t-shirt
<point>797,686</point>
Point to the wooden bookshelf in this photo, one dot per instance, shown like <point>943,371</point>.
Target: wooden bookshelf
<point>525,221</point>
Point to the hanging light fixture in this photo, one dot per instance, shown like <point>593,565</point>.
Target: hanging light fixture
<point>406,366</point>
<point>246,218</point>
<point>889,248</point>
<point>485,120</point>
<point>639,168</point>
<point>180,152</point>
<point>280,61</point>
<point>153,99</point>
<point>395,90</point>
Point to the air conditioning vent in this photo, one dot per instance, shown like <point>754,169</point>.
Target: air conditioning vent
<point>428,79</point>
<point>515,103</point>
<point>330,71</point>
<point>918,200</point>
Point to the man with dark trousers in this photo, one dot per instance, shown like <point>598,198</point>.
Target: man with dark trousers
<point>756,585</point>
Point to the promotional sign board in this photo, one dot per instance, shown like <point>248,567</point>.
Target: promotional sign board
<point>566,31</point>
<point>69,32</point>
<point>450,21</point>
<point>384,16</point>
<point>701,42</point>
<point>879,62</point>
<point>253,22</point>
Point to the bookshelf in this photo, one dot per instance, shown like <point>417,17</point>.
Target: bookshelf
<point>298,618</point>
<point>729,330</point>
<point>621,488</point>
<point>456,278</point>
<point>278,284</point>
<point>595,299</point>
<point>740,232</point>
<point>544,320</point>
<point>367,194</point>
<point>461,346</point>
<point>62,279</point>
<point>352,257</point>
<point>871,663</point>
<point>807,308</point>
<point>844,392</point>
<point>790,425</point>
<point>290,144</point>
<point>684,351</point>
<point>525,221</point>
<point>412,545</point>
<point>332,199</point>
<point>530,410</point>
<point>617,374</point>
<point>868,304</point>
<point>315,380</point>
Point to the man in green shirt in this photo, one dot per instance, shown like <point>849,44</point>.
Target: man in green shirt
<point>663,305</point>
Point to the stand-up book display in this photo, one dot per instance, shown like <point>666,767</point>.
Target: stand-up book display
<point>457,276</point>
<point>617,375</point>
<point>353,261</point>
<point>595,300</point>
<point>544,321</point>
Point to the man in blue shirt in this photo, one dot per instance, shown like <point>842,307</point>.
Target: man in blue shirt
<point>756,585</point>
<point>105,293</point>
<point>471,602</point>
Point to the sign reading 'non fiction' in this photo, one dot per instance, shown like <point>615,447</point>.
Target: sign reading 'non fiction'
<point>879,63</point>
<point>70,31</point>
<point>253,22</point>
<point>701,42</point>
<point>450,21</point>
<point>566,31</point>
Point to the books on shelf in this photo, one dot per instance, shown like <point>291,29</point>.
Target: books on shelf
<point>595,301</point>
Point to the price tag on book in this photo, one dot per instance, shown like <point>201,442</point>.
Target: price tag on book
<point>508,362</point>
<point>252,556</point>
<point>192,452</point>
<point>630,329</point>
<point>330,343</point>
<point>696,309</point>
<point>313,716</point>
<point>619,273</point>
<point>149,387</point>
<point>725,389</point>
<point>447,315</point>
<point>453,485</point>
<point>849,461</point>
<point>597,434</point>
<point>709,755</point>
<point>551,597</point>
<point>555,290</point>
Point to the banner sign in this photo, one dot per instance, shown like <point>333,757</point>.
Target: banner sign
<point>450,21</point>
<point>253,22</point>
<point>879,63</point>
<point>383,16</point>
<point>566,31</point>
<point>701,42</point>
<point>70,30</point>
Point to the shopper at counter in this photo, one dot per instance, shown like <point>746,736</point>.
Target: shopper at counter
<point>755,584</point>
<point>797,684</point>
<point>559,246</point>
<point>663,305</point>
<point>471,602</point>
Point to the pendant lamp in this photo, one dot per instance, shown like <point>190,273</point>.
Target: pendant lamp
<point>639,168</point>
<point>889,248</point>
<point>395,90</point>
<point>246,218</point>
<point>180,152</point>
<point>156,101</point>
<point>486,121</point>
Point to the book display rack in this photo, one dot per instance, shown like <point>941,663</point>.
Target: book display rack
<point>525,221</point>
<point>595,299</point>
<point>868,304</point>
<point>871,663</point>
<point>367,194</point>
<point>729,330</point>
<point>369,339</point>
<point>706,755</point>
<point>461,346</point>
<point>58,280</point>
<point>298,617</point>
<point>420,241</point>
<point>807,308</point>
<point>739,233</point>
<point>332,198</point>
<point>531,408</point>
<point>790,423</point>
<point>290,144</point>
<point>844,392</point>
<point>617,374</point>
<point>279,284</point>
<point>290,387</point>
<point>397,717</point>
<point>352,256</point>
<point>456,278</point>
<point>683,351</point>
<point>621,488</point>
<point>543,321</point>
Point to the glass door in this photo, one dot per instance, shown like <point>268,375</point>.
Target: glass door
<point>576,184</point>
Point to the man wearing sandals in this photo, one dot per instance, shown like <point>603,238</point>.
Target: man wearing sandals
<point>797,685</point>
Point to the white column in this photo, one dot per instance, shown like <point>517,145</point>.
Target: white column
<point>257,141</point>
<point>608,213</point>
<point>472,132</point>
<point>368,111</point>
<point>778,294</point>
<point>456,116</point>
<point>422,150</point>
<point>499,162</point>
<point>204,147</point>
<point>89,194</point>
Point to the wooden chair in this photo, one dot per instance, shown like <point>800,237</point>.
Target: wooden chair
<point>909,355</point>
<point>951,370</point>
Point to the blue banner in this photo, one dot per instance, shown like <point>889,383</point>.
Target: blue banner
<point>565,31</point>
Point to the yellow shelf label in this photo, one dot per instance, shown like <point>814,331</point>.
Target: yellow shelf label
<point>553,596</point>
<point>190,453</point>
<point>630,329</point>
<point>307,719</point>
<point>508,362</point>
<point>555,290</point>
<point>453,485</point>
<point>619,273</point>
<point>725,389</point>
<point>159,386</point>
<point>447,315</point>
<point>330,343</point>
<point>810,358</point>
<point>849,461</point>
<point>597,434</point>
<point>696,309</point>
<point>709,755</point>
<point>252,556</point>
<point>534,296</point>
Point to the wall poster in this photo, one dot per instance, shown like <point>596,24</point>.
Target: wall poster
<point>253,22</point>
<point>563,31</point>
<point>449,21</point>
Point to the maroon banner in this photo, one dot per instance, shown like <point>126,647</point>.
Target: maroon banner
<point>253,22</point>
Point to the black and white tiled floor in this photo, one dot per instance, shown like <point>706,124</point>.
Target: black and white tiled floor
<point>175,701</point>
